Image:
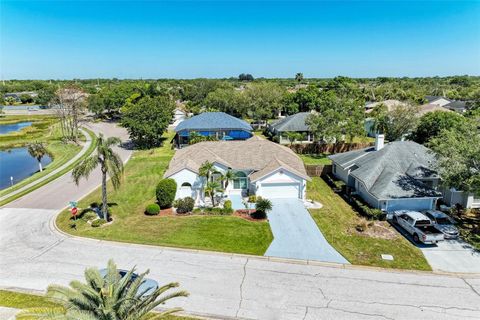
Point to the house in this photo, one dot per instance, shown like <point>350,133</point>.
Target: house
<point>262,167</point>
<point>178,116</point>
<point>17,95</point>
<point>219,125</point>
<point>426,108</point>
<point>453,105</point>
<point>392,176</point>
<point>294,123</point>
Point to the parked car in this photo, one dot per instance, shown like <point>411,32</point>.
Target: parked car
<point>417,225</point>
<point>443,223</point>
<point>147,287</point>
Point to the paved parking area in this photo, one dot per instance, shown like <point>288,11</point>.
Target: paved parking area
<point>296,235</point>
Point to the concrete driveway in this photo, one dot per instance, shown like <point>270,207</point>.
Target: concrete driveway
<point>296,235</point>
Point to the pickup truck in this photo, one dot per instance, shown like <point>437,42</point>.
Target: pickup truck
<point>418,225</point>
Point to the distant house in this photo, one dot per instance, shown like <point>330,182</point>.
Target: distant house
<point>220,125</point>
<point>294,123</point>
<point>178,116</point>
<point>454,105</point>
<point>426,108</point>
<point>398,175</point>
<point>17,95</point>
<point>261,167</point>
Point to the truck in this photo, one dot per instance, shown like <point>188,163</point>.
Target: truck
<point>418,226</point>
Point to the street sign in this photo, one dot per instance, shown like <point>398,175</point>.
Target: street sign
<point>73,204</point>
<point>74,211</point>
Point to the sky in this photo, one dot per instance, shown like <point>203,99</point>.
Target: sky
<point>217,39</point>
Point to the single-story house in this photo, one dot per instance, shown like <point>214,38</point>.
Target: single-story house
<point>453,105</point>
<point>178,116</point>
<point>220,125</point>
<point>394,176</point>
<point>294,123</point>
<point>261,167</point>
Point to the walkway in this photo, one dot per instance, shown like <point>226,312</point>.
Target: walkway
<point>296,235</point>
<point>86,145</point>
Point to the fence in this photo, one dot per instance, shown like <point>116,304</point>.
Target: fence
<point>316,148</point>
<point>318,170</point>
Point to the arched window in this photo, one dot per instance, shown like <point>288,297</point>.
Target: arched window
<point>240,181</point>
<point>186,184</point>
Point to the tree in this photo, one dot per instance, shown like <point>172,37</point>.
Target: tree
<point>106,296</point>
<point>147,120</point>
<point>294,136</point>
<point>245,77</point>
<point>262,206</point>
<point>228,176</point>
<point>211,189</point>
<point>227,100</point>
<point>264,100</point>
<point>26,98</point>
<point>165,192</point>
<point>458,157</point>
<point>69,103</point>
<point>206,170</point>
<point>96,104</point>
<point>38,150</point>
<point>306,99</point>
<point>299,77</point>
<point>431,124</point>
<point>110,164</point>
<point>397,122</point>
<point>45,96</point>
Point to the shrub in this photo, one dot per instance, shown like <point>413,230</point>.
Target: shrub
<point>97,223</point>
<point>365,210</point>
<point>262,206</point>
<point>252,199</point>
<point>213,211</point>
<point>166,190</point>
<point>258,215</point>
<point>89,215</point>
<point>227,205</point>
<point>184,205</point>
<point>152,209</point>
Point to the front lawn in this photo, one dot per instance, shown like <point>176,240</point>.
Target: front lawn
<point>142,173</point>
<point>337,221</point>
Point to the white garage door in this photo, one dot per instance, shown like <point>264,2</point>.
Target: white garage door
<point>280,190</point>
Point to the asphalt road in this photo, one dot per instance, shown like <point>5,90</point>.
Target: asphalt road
<point>33,254</point>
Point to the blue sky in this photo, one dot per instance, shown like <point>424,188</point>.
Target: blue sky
<point>69,39</point>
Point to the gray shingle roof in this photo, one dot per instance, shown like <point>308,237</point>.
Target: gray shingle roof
<point>294,122</point>
<point>213,120</point>
<point>392,171</point>
<point>433,98</point>
<point>456,105</point>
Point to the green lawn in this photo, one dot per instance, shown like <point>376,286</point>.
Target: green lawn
<point>337,220</point>
<point>12,299</point>
<point>315,159</point>
<point>142,173</point>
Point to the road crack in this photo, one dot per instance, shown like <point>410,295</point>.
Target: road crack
<point>241,288</point>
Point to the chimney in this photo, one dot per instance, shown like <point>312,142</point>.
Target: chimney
<point>379,141</point>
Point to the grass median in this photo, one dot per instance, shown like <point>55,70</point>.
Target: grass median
<point>142,173</point>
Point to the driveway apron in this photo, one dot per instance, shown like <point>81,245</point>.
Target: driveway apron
<point>296,235</point>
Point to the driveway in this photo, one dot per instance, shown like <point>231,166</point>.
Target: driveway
<point>296,235</point>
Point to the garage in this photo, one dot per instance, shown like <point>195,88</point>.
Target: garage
<point>280,190</point>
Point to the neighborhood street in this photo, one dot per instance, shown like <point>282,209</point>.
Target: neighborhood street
<point>34,254</point>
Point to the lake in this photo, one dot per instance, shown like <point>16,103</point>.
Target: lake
<point>18,163</point>
<point>12,127</point>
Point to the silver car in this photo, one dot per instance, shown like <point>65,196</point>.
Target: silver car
<point>443,223</point>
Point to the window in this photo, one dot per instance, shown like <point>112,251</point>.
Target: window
<point>240,181</point>
<point>334,168</point>
<point>186,184</point>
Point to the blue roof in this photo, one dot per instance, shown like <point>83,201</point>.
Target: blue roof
<point>213,120</point>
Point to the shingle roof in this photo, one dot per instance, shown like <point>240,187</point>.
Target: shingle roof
<point>456,105</point>
<point>392,171</point>
<point>433,98</point>
<point>261,156</point>
<point>294,122</point>
<point>213,120</point>
<point>426,108</point>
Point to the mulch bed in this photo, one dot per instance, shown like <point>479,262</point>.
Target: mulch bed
<point>166,212</point>
<point>245,214</point>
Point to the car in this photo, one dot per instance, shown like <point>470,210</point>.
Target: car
<point>443,223</point>
<point>418,226</point>
<point>148,286</point>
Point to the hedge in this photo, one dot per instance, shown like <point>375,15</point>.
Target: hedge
<point>166,190</point>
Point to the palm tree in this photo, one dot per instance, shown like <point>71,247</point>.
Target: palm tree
<point>211,189</point>
<point>206,170</point>
<point>227,177</point>
<point>105,297</point>
<point>299,76</point>
<point>38,150</point>
<point>110,163</point>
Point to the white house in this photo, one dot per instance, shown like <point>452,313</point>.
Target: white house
<point>262,167</point>
<point>178,116</point>
<point>391,176</point>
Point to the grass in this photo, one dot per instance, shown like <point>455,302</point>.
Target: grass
<point>337,220</point>
<point>469,225</point>
<point>142,173</point>
<point>12,299</point>
<point>315,159</point>
<point>62,153</point>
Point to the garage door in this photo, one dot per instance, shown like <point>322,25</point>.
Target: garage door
<point>280,190</point>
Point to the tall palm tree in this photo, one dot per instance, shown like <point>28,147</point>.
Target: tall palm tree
<point>228,176</point>
<point>38,150</point>
<point>106,297</point>
<point>109,162</point>
<point>206,170</point>
<point>211,189</point>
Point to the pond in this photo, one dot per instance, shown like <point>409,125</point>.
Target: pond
<point>12,127</point>
<point>18,163</point>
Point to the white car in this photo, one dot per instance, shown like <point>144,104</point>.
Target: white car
<point>418,226</point>
<point>443,223</point>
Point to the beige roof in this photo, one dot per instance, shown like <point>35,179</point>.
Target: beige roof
<point>426,108</point>
<point>260,155</point>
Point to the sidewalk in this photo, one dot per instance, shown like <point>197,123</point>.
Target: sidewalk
<point>87,144</point>
<point>8,313</point>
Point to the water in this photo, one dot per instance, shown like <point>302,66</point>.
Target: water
<point>18,163</point>
<point>7,128</point>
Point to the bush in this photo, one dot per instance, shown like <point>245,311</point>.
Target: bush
<point>213,211</point>
<point>262,206</point>
<point>184,205</point>
<point>253,198</point>
<point>166,190</point>
<point>365,210</point>
<point>227,205</point>
<point>152,209</point>
<point>98,223</point>
<point>258,215</point>
<point>89,215</point>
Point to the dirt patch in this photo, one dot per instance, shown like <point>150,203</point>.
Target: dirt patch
<point>166,212</point>
<point>375,229</point>
<point>245,214</point>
